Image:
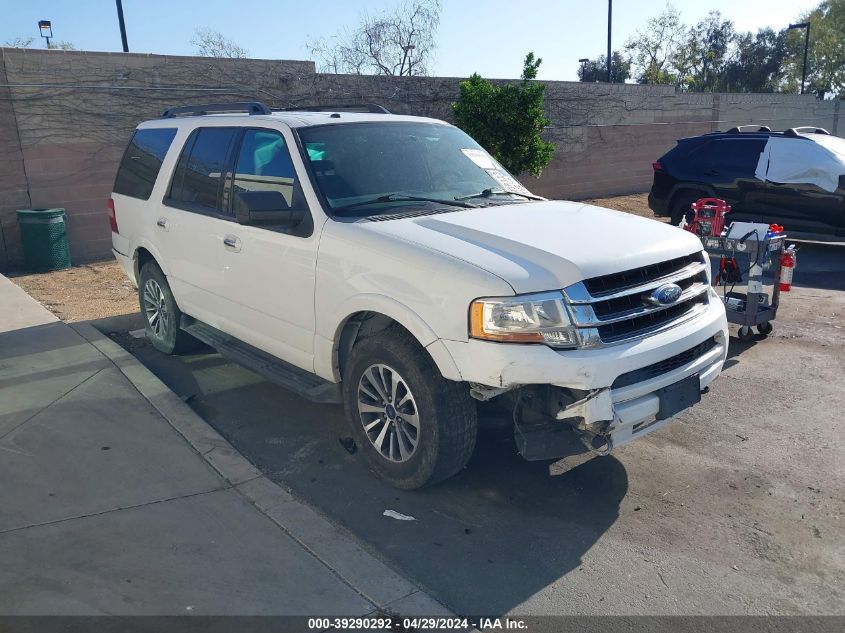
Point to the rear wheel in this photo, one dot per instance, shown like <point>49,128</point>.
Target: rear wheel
<point>413,426</point>
<point>161,314</point>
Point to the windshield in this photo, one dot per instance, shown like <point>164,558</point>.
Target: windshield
<point>381,167</point>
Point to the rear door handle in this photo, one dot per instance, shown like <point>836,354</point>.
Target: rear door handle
<point>712,172</point>
<point>162,223</point>
<point>232,243</point>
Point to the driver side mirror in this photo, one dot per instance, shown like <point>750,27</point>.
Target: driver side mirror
<point>266,207</point>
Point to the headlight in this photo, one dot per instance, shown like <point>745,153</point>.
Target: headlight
<point>539,318</point>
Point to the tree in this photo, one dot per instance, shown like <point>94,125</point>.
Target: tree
<point>62,45</point>
<point>209,43</point>
<point>400,41</point>
<point>756,64</point>
<point>826,58</point>
<point>19,42</point>
<point>698,63</point>
<point>654,49</point>
<point>596,69</point>
<point>507,119</point>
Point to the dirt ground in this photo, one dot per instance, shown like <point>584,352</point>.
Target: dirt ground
<point>82,293</point>
<point>96,291</point>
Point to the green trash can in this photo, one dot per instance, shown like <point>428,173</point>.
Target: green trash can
<point>44,238</point>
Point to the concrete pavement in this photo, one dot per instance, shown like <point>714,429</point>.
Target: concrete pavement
<point>115,498</point>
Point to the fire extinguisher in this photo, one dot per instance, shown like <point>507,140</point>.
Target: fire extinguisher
<point>787,267</point>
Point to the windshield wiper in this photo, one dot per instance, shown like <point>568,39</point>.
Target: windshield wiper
<point>488,193</point>
<point>398,197</point>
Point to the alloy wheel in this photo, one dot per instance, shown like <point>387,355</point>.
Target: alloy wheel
<point>155,308</point>
<point>388,412</point>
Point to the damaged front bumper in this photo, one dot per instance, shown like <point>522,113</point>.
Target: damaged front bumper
<point>639,390</point>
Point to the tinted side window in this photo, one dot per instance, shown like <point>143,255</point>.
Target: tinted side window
<point>264,164</point>
<point>198,176</point>
<point>737,154</point>
<point>141,162</point>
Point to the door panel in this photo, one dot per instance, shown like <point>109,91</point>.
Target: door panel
<point>191,221</point>
<point>268,274</point>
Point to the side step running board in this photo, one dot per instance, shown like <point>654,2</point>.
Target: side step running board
<point>273,369</point>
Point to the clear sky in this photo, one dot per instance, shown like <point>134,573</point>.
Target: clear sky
<point>490,37</point>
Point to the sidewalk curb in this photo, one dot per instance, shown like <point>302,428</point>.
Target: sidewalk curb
<point>332,545</point>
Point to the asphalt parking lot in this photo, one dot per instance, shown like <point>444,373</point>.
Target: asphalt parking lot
<point>736,507</point>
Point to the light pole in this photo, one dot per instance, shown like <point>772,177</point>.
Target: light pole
<point>122,26</point>
<point>609,24</point>
<point>583,61</point>
<point>803,25</point>
<point>46,30</point>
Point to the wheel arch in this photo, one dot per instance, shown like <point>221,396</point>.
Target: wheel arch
<point>143,253</point>
<point>378,316</point>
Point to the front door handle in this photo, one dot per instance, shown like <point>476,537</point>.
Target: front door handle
<point>162,223</point>
<point>232,243</point>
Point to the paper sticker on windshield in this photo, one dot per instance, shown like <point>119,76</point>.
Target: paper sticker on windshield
<point>507,182</point>
<point>480,158</point>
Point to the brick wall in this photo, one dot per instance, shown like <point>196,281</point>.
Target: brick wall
<point>65,117</point>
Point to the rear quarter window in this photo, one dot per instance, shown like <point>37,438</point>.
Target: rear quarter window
<point>141,162</point>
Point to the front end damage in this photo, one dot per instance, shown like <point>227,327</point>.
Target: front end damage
<point>552,422</point>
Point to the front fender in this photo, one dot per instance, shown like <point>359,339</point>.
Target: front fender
<point>328,338</point>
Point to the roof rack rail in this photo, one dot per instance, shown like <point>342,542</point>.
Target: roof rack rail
<point>245,107</point>
<point>739,129</point>
<point>372,108</point>
<point>807,129</point>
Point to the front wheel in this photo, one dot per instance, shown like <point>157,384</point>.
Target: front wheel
<point>413,426</point>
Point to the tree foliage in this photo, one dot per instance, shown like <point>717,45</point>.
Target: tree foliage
<point>209,43</point>
<point>654,49</point>
<point>398,41</point>
<point>711,55</point>
<point>507,119</point>
<point>596,69</point>
<point>826,57</point>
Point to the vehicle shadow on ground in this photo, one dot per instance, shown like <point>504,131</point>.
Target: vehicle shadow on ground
<point>481,542</point>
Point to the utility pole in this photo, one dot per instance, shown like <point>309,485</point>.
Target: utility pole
<point>806,26</point>
<point>609,24</point>
<point>122,26</point>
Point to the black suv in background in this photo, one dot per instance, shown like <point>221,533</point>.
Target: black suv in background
<point>723,165</point>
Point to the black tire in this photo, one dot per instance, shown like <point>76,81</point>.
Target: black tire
<point>681,205</point>
<point>765,328</point>
<point>447,421</point>
<point>167,337</point>
<point>745,334</point>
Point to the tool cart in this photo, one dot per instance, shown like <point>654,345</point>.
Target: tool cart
<point>746,251</point>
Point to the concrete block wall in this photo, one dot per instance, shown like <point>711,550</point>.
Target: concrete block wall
<point>66,116</point>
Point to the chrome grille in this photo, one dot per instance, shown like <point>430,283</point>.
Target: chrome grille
<point>615,308</point>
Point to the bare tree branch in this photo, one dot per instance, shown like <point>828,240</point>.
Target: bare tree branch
<point>209,43</point>
<point>397,42</point>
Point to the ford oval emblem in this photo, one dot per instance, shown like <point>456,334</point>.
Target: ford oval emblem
<point>665,294</point>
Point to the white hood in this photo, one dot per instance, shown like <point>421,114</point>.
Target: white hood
<point>545,245</point>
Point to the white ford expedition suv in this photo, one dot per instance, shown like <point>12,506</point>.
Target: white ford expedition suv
<point>390,263</point>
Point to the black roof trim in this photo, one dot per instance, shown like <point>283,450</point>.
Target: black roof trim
<point>244,107</point>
